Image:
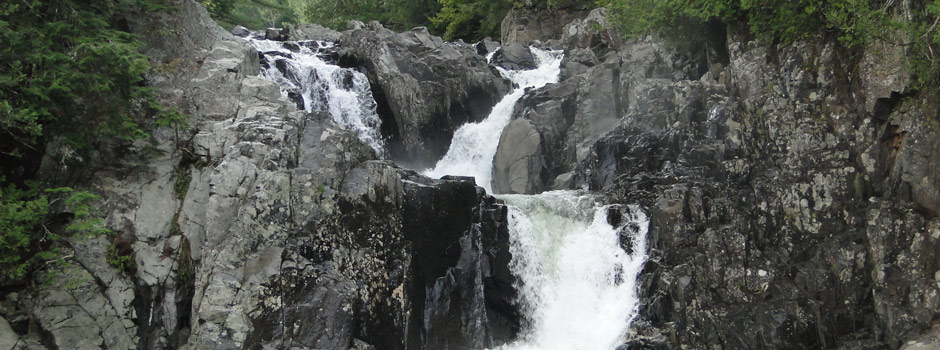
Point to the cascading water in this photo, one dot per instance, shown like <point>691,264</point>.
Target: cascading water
<point>301,68</point>
<point>577,284</point>
<point>474,144</point>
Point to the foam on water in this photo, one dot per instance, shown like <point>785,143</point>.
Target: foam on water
<point>577,285</point>
<point>344,93</point>
<point>474,145</point>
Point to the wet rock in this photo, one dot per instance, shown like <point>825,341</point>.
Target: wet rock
<point>517,167</point>
<point>305,305</point>
<point>533,21</point>
<point>277,34</point>
<point>311,31</point>
<point>514,57</point>
<point>768,212</point>
<point>486,46</point>
<point>425,88</point>
<point>240,31</point>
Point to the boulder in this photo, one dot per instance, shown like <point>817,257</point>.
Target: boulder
<point>486,47</point>
<point>425,88</point>
<point>514,57</point>
<point>277,34</point>
<point>311,31</point>
<point>240,31</point>
<point>517,167</point>
<point>535,22</point>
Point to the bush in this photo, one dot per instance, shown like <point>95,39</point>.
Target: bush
<point>855,23</point>
<point>27,230</point>
<point>471,19</point>
<point>66,74</point>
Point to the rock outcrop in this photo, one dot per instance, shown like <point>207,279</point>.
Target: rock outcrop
<point>791,192</point>
<point>788,187</point>
<point>261,226</point>
<point>533,20</point>
<point>425,88</point>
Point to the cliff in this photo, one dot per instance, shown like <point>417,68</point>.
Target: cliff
<point>791,191</point>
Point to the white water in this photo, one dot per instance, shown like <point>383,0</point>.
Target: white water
<point>344,93</point>
<point>474,145</point>
<point>577,285</point>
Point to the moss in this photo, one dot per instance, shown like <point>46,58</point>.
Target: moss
<point>121,259</point>
<point>186,269</point>
<point>184,175</point>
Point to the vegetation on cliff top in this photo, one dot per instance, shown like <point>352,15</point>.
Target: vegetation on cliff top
<point>66,75</point>
<point>470,20</point>
<point>854,23</point>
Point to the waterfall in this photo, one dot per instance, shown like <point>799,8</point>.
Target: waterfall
<point>577,284</point>
<point>474,145</point>
<point>303,72</point>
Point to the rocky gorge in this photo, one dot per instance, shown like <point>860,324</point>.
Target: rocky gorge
<point>789,191</point>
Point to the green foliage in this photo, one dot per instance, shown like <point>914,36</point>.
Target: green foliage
<point>255,14</point>
<point>471,19</point>
<point>924,53</point>
<point>22,211</point>
<point>122,261</point>
<point>397,14</point>
<point>854,21</point>
<point>64,71</point>
<point>335,13</point>
<point>25,232</point>
<point>455,19</point>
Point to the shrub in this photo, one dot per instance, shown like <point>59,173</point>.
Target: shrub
<point>66,73</point>
<point>27,230</point>
<point>783,20</point>
<point>855,23</point>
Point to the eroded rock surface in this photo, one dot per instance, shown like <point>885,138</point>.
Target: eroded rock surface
<point>425,88</point>
<point>787,186</point>
<point>261,226</point>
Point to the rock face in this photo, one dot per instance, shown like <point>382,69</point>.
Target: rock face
<point>518,163</point>
<point>533,21</point>
<point>425,88</point>
<point>791,193</point>
<point>787,188</point>
<point>603,80</point>
<point>261,226</point>
<point>514,57</point>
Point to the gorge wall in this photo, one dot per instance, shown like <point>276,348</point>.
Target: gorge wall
<point>791,193</point>
<point>791,188</point>
<point>262,226</point>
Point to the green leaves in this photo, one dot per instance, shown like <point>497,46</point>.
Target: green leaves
<point>471,19</point>
<point>65,72</point>
<point>22,210</point>
<point>854,21</point>
<point>27,230</point>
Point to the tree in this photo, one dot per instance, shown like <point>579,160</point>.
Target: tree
<point>65,74</point>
